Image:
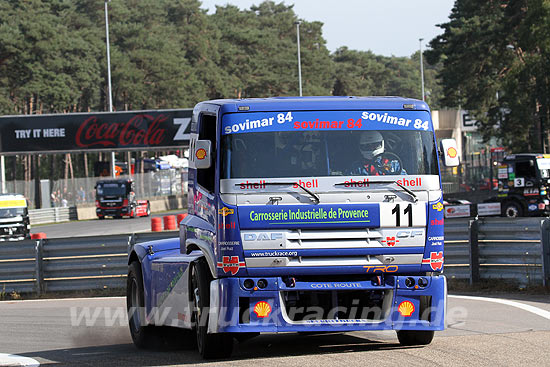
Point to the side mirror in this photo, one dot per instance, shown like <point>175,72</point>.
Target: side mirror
<point>449,152</point>
<point>202,154</point>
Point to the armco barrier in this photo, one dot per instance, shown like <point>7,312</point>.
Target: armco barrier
<point>498,248</point>
<point>52,215</point>
<point>68,264</point>
<point>490,248</point>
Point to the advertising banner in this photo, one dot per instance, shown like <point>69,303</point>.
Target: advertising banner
<point>325,120</point>
<point>318,216</point>
<point>132,130</point>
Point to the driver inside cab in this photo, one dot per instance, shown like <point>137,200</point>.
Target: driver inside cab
<point>374,161</point>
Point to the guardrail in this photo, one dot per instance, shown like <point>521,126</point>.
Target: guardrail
<point>498,248</point>
<point>490,248</point>
<point>68,264</point>
<point>52,215</point>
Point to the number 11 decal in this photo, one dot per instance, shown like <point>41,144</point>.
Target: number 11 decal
<point>407,212</point>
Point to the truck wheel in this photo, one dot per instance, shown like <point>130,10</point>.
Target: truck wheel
<point>415,337</point>
<point>209,345</point>
<point>144,336</point>
<point>512,209</point>
<point>100,217</point>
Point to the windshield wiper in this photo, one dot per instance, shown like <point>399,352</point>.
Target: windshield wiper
<point>314,197</point>
<point>356,184</point>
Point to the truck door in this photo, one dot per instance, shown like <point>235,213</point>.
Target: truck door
<point>205,198</point>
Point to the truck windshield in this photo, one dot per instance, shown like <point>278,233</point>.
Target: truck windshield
<point>111,189</point>
<point>544,167</point>
<point>12,212</point>
<point>328,153</point>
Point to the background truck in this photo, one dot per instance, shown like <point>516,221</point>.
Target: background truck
<point>523,190</point>
<point>116,198</point>
<point>523,182</point>
<point>14,218</point>
<point>304,215</point>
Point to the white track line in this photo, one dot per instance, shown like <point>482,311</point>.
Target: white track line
<point>14,360</point>
<point>523,306</point>
<point>58,299</point>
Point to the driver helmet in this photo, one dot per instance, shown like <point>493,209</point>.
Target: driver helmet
<point>371,144</point>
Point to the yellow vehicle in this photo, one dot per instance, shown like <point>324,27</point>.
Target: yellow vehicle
<point>14,218</point>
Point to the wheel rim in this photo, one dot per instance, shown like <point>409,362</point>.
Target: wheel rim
<point>134,297</point>
<point>512,212</point>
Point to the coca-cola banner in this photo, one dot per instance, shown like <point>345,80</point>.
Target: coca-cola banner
<point>133,130</point>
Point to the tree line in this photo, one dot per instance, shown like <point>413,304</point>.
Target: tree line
<point>172,54</point>
<point>495,57</point>
<point>491,59</point>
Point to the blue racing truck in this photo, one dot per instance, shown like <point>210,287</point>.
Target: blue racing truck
<point>309,214</point>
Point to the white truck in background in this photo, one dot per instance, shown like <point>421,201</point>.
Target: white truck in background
<point>14,218</point>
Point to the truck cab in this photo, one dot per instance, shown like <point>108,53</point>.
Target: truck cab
<point>117,198</point>
<point>14,218</point>
<point>304,215</point>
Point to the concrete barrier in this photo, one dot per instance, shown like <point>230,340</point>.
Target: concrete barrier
<point>158,204</point>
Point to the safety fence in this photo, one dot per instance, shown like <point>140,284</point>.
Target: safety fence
<point>81,191</point>
<point>512,250</point>
<point>52,215</point>
<point>69,264</point>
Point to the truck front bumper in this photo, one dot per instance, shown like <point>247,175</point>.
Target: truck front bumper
<point>119,211</point>
<point>327,305</point>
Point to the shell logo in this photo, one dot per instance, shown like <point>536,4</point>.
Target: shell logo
<point>406,308</point>
<point>451,152</point>
<point>262,309</point>
<point>200,154</point>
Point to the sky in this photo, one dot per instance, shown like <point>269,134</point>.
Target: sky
<point>385,27</point>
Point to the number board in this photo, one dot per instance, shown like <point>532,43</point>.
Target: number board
<point>402,214</point>
<point>519,182</point>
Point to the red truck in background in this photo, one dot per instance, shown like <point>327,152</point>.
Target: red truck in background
<point>117,198</point>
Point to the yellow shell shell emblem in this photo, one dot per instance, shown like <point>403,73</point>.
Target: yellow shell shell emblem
<point>262,309</point>
<point>200,154</point>
<point>451,152</point>
<point>406,308</point>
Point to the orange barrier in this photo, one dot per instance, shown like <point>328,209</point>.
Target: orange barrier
<point>181,217</point>
<point>37,236</point>
<point>156,225</point>
<point>169,222</point>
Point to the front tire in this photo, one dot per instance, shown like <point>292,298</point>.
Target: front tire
<point>210,346</point>
<point>149,336</point>
<point>144,336</point>
<point>415,337</point>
